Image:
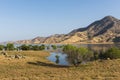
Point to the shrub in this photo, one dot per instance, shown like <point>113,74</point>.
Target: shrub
<point>35,47</point>
<point>84,54</point>
<point>77,55</point>
<point>10,46</point>
<point>112,53</point>
<point>42,47</point>
<point>1,47</point>
<point>96,55</point>
<point>54,47</point>
<point>24,47</point>
<point>32,47</point>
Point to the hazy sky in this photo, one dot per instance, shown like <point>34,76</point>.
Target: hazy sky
<point>26,19</point>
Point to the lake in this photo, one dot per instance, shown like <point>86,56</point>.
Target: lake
<point>62,59</point>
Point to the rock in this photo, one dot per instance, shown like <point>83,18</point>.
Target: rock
<point>12,56</point>
<point>16,56</point>
<point>23,57</point>
<point>19,56</point>
<point>108,58</point>
<point>4,53</point>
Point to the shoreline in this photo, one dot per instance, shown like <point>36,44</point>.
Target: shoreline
<point>63,43</point>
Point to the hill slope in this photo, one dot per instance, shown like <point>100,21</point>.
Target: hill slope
<point>106,30</point>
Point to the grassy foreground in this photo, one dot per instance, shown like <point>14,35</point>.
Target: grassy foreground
<point>36,67</point>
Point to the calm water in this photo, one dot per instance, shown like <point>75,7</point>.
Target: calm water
<point>62,59</point>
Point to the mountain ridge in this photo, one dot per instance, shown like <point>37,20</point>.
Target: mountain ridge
<point>105,30</point>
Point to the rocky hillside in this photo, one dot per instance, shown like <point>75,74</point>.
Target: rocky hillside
<point>106,30</point>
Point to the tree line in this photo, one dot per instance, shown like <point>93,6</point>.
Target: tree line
<point>10,47</point>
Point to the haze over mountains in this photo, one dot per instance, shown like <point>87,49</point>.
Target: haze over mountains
<point>106,30</point>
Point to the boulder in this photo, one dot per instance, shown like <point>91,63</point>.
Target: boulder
<point>19,56</point>
<point>4,53</point>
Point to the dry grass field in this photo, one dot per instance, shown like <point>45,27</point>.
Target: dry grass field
<point>35,66</point>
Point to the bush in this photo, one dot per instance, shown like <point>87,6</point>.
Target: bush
<point>42,47</point>
<point>54,47</point>
<point>77,55</point>
<point>10,46</point>
<point>85,54</point>
<point>1,47</point>
<point>32,47</point>
<point>24,47</point>
<point>35,47</point>
<point>112,53</point>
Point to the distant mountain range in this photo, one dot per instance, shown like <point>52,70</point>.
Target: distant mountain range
<point>106,30</point>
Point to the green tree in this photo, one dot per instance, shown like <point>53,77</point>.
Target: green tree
<point>54,47</point>
<point>69,48</point>
<point>10,46</point>
<point>77,55</point>
<point>84,54</point>
<point>24,47</point>
<point>30,47</point>
<point>1,47</point>
<point>112,53</point>
<point>42,47</point>
<point>35,47</point>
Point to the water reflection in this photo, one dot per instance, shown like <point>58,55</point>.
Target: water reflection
<point>58,58</point>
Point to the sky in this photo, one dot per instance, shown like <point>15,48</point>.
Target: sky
<point>27,19</point>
